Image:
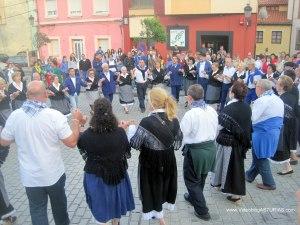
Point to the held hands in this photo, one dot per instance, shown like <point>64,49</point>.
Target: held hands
<point>77,115</point>
<point>125,124</point>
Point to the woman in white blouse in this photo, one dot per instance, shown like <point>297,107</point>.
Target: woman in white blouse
<point>17,91</point>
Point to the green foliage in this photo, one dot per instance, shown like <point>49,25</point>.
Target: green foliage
<point>40,39</point>
<point>153,31</point>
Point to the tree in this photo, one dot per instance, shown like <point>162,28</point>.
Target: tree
<point>40,39</point>
<point>152,31</point>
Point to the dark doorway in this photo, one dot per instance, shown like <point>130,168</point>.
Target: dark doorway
<point>215,39</point>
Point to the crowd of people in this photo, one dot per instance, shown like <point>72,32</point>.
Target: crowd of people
<point>232,106</point>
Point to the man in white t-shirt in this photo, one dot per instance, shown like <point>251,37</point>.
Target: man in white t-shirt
<point>37,131</point>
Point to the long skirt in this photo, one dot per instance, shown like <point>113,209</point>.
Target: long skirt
<point>126,94</point>
<point>108,202</point>
<point>92,96</point>
<point>187,84</point>
<point>213,94</point>
<point>61,105</point>
<point>229,171</point>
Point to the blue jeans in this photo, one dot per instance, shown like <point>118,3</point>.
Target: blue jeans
<point>175,90</point>
<point>38,199</point>
<point>251,96</point>
<point>224,94</point>
<point>74,101</point>
<point>262,167</point>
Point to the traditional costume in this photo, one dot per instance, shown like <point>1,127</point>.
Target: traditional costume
<point>288,137</point>
<point>126,91</point>
<point>234,140</point>
<point>267,119</point>
<point>199,127</point>
<point>59,101</point>
<point>106,182</point>
<point>92,92</point>
<point>156,137</point>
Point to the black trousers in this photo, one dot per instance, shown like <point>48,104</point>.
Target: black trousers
<point>195,185</point>
<point>141,89</point>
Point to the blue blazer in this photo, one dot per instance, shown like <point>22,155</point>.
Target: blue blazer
<point>176,75</point>
<point>97,65</point>
<point>69,84</point>
<point>108,87</point>
<point>207,68</point>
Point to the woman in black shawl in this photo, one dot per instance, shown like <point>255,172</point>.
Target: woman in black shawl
<point>157,136</point>
<point>288,139</point>
<point>234,140</point>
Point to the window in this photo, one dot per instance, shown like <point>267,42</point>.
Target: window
<point>276,37</point>
<point>104,43</point>
<point>142,4</point>
<point>100,7</point>
<point>54,48</point>
<point>297,46</point>
<point>77,47</point>
<point>259,36</point>
<point>51,8</point>
<point>74,7</point>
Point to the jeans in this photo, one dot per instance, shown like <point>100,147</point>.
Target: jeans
<point>195,185</point>
<point>203,82</point>
<point>141,89</point>
<point>175,90</point>
<point>224,94</point>
<point>262,167</point>
<point>110,97</point>
<point>5,207</point>
<point>74,101</point>
<point>38,199</point>
<point>251,96</point>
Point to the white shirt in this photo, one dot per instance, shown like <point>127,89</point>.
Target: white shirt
<point>139,76</point>
<point>38,145</point>
<point>255,79</point>
<point>228,71</point>
<point>267,107</point>
<point>107,75</point>
<point>202,69</point>
<point>199,125</point>
<point>74,81</point>
<point>9,75</point>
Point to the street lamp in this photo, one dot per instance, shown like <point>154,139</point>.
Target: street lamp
<point>247,14</point>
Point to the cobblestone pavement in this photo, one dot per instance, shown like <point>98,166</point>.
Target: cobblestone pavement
<point>275,207</point>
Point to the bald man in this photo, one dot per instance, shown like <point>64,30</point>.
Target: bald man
<point>38,131</point>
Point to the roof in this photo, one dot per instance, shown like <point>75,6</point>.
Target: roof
<point>272,2</point>
<point>275,18</point>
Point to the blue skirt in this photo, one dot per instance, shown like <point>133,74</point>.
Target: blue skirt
<point>108,202</point>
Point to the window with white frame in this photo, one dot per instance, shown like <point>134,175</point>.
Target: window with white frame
<point>78,47</point>
<point>104,43</point>
<point>100,7</point>
<point>54,48</point>
<point>51,8</point>
<point>74,7</point>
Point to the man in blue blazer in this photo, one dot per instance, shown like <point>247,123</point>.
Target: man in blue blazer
<point>73,84</point>
<point>204,70</point>
<point>108,82</point>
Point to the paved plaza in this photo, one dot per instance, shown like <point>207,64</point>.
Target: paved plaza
<point>257,207</point>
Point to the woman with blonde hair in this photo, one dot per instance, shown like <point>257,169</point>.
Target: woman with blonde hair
<point>157,136</point>
<point>17,91</point>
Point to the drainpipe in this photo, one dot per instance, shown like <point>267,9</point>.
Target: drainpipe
<point>292,27</point>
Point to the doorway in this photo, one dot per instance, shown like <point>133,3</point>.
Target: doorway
<point>215,39</point>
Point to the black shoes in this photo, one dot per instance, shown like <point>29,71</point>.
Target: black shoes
<point>205,217</point>
<point>233,199</point>
<point>187,198</point>
<point>143,110</point>
<point>286,173</point>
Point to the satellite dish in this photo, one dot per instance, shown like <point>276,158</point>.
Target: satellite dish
<point>263,13</point>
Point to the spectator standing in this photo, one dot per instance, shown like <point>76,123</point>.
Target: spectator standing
<point>84,66</point>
